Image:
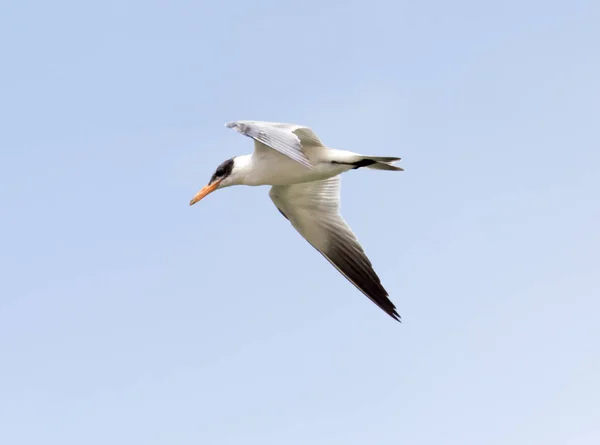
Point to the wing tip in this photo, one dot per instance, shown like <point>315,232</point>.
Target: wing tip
<point>385,304</point>
<point>388,307</point>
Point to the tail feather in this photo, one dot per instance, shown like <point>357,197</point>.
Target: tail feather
<point>385,159</point>
<point>385,166</point>
<point>358,161</point>
<point>381,163</point>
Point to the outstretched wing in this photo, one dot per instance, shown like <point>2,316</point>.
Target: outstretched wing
<point>313,210</point>
<point>288,139</point>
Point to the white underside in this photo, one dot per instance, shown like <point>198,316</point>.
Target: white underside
<point>266,166</point>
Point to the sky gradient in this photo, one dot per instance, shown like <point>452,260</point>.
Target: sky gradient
<point>127,317</point>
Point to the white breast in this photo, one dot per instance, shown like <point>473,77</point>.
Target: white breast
<point>269,167</point>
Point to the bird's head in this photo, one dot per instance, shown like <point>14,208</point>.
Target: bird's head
<point>224,176</point>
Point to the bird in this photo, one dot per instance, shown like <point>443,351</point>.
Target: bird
<point>304,175</point>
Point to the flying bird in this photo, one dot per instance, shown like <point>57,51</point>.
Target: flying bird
<point>305,179</point>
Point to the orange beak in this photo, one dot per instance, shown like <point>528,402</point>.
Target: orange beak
<point>205,191</point>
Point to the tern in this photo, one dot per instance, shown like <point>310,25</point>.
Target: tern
<point>304,176</point>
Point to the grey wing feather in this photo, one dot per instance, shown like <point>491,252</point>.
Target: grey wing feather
<point>313,210</point>
<point>288,139</point>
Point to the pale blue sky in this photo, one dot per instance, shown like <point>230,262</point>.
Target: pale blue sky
<point>127,317</point>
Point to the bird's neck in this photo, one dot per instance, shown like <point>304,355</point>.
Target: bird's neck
<point>245,170</point>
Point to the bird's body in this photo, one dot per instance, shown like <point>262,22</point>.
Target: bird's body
<point>269,167</point>
<point>305,179</point>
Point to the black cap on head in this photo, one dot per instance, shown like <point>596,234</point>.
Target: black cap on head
<point>222,171</point>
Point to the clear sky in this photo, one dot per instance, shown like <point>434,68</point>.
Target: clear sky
<point>127,317</point>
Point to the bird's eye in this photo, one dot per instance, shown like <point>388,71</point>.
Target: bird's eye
<point>222,170</point>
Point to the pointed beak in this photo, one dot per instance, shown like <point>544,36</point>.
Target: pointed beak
<point>205,191</point>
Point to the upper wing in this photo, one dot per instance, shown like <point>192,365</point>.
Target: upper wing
<point>288,139</point>
<point>313,209</point>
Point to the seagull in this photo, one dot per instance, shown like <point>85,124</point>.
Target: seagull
<point>304,176</point>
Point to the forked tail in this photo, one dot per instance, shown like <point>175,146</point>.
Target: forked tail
<point>374,162</point>
<point>380,163</point>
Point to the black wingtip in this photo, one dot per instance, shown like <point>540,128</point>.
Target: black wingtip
<point>392,312</point>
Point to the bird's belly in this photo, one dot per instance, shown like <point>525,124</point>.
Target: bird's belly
<point>281,170</point>
<point>304,175</point>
